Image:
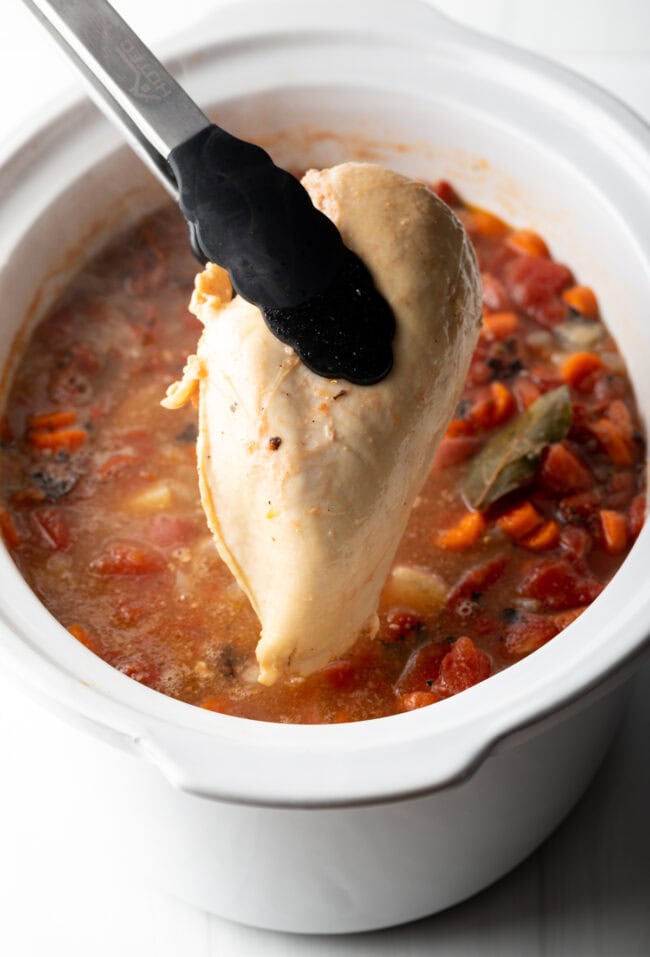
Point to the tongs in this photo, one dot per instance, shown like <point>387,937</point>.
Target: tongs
<point>244,212</point>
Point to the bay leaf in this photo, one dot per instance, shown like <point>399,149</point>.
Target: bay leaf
<point>511,458</point>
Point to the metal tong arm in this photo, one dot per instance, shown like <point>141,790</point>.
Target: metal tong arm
<point>125,79</point>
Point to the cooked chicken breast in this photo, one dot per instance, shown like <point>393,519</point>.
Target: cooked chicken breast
<point>307,483</point>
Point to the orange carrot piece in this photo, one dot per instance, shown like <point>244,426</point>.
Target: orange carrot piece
<point>8,529</point>
<point>529,242</point>
<point>614,445</point>
<point>495,409</point>
<point>542,539</point>
<point>504,402</point>
<point>61,439</point>
<point>463,534</point>
<point>520,520</point>
<point>583,299</point>
<point>575,367</point>
<point>214,703</point>
<point>417,699</point>
<point>484,223</point>
<point>51,421</point>
<point>500,325</point>
<point>82,635</point>
<point>614,525</point>
<point>459,427</point>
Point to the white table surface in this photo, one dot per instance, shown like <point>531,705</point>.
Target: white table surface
<point>585,893</point>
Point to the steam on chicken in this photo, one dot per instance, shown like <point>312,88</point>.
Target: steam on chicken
<point>307,483</point>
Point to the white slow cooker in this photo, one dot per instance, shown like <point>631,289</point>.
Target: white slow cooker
<point>351,827</point>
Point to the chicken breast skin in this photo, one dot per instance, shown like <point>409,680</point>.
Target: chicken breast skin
<point>307,483</point>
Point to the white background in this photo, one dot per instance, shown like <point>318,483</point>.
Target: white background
<point>586,893</point>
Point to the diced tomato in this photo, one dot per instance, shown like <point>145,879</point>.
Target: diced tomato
<point>580,508</point>
<point>576,541</point>
<point>114,465</point>
<point>535,284</point>
<point>126,558</point>
<point>342,675</point>
<point>476,581</point>
<point>620,489</point>
<point>401,623</point>
<point>168,530</point>
<point>495,297</point>
<point>453,451</point>
<point>527,633</point>
<point>563,472</point>
<point>526,391</point>
<point>461,668</point>
<point>6,432</point>
<point>139,667</point>
<point>446,192</point>
<point>422,668</point>
<point>636,516</point>
<point>52,524</point>
<point>557,585</point>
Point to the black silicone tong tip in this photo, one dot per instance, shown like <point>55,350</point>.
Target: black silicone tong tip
<point>283,255</point>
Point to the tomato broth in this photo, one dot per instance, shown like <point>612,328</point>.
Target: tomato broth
<point>536,495</point>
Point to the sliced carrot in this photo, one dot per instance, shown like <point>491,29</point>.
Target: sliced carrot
<point>575,367</point>
<point>494,410</point>
<point>614,445</point>
<point>543,538</point>
<point>459,427</point>
<point>463,534</point>
<point>520,520</point>
<point>8,529</point>
<point>504,402</point>
<point>526,241</point>
<point>614,525</point>
<point>214,703</point>
<point>82,635</point>
<point>500,325</point>
<point>52,421</point>
<point>61,439</point>
<point>484,223</point>
<point>417,699</point>
<point>583,299</point>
